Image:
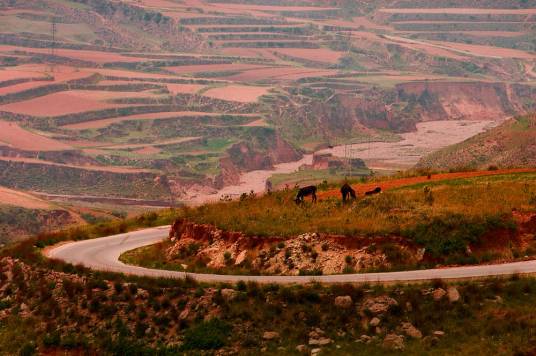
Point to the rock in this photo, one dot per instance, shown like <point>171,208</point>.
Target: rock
<point>228,294</point>
<point>365,338</point>
<point>343,302</point>
<point>241,257</point>
<point>379,305</point>
<point>453,294</point>
<point>438,333</point>
<point>323,341</point>
<point>315,351</point>
<point>142,294</point>
<point>411,331</point>
<point>378,330</point>
<point>270,335</point>
<point>375,322</point>
<point>409,307</point>
<point>438,294</point>
<point>301,349</point>
<point>394,342</point>
<point>24,310</point>
<point>184,314</point>
<point>316,333</point>
<point>430,341</point>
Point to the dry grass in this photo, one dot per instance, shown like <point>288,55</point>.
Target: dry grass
<point>390,212</point>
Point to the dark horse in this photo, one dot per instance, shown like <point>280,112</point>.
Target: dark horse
<point>305,192</point>
<point>376,190</point>
<point>347,192</point>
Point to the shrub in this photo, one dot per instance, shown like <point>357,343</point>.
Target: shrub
<point>28,349</point>
<point>118,287</point>
<point>207,335</point>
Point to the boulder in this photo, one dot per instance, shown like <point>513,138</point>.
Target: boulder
<point>301,349</point>
<point>270,335</point>
<point>411,331</point>
<point>323,341</point>
<point>343,302</point>
<point>453,294</point>
<point>241,257</point>
<point>375,322</point>
<point>365,339</point>
<point>228,294</point>
<point>394,342</point>
<point>379,305</point>
<point>315,351</point>
<point>438,294</point>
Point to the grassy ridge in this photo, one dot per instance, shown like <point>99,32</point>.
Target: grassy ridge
<point>393,211</point>
<point>512,144</point>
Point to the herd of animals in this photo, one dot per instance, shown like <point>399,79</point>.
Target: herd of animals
<point>347,193</point>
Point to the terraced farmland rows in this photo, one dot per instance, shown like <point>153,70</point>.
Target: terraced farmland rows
<point>199,92</point>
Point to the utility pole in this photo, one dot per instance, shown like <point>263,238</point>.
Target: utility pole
<point>53,44</point>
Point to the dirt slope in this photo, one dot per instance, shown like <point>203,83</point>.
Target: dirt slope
<point>512,144</point>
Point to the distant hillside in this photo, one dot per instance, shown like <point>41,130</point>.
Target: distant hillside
<point>512,144</point>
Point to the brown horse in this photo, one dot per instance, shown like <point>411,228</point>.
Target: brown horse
<point>347,192</point>
<point>305,192</point>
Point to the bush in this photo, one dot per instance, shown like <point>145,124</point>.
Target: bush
<point>28,349</point>
<point>207,335</point>
<point>449,235</point>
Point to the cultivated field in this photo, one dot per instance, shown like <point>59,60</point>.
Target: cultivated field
<point>200,96</point>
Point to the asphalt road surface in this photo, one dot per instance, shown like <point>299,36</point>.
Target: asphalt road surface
<point>103,254</point>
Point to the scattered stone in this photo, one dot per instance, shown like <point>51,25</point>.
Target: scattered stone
<point>438,294</point>
<point>142,294</point>
<point>453,294</point>
<point>430,341</point>
<point>365,338</point>
<point>323,341</point>
<point>394,342</point>
<point>270,335</point>
<point>24,310</point>
<point>301,348</point>
<point>241,257</point>
<point>184,314</point>
<point>375,322</point>
<point>228,294</point>
<point>315,351</point>
<point>409,307</point>
<point>379,305</point>
<point>378,330</point>
<point>343,302</point>
<point>316,333</point>
<point>411,331</point>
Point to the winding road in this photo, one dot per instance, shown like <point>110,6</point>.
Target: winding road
<point>103,254</point>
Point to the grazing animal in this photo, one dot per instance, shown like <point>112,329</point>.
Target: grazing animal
<point>347,192</point>
<point>305,192</point>
<point>376,190</point>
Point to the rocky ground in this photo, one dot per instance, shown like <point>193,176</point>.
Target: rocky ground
<point>309,253</point>
<point>46,311</point>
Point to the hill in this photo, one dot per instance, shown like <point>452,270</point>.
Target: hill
<point>48,306</point>
<point>511,144</point>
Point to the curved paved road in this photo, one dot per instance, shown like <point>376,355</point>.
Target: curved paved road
<point>103,254</point>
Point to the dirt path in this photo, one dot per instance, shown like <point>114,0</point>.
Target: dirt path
<point>397,183</point>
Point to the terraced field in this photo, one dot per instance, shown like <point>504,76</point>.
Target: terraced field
<point>176,100</point>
